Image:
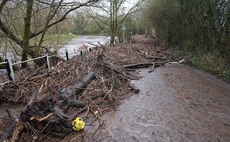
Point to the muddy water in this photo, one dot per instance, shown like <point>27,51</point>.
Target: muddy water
<point>73,45</point>
<point>176,104</point>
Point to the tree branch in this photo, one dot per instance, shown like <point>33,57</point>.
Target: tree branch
<point>63,17</point>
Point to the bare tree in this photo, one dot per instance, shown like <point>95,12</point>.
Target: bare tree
<point>48,9</point>
<point>109,15</point>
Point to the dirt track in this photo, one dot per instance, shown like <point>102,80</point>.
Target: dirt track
<point>178,104</point>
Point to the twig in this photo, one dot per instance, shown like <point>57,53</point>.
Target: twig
<point>41,119</point>
<point>87,111</point>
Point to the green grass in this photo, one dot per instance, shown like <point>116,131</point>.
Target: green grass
<point>49,39</point>
<point>211,62</point>
<point>54,41</point>
<point>60,37</point>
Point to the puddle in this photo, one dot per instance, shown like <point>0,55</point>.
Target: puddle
<point>176,103</point>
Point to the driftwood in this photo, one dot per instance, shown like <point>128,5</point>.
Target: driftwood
<point>156,57</point>
<point>82,84</point>
<point>52,110</point>
<point>118,70</point>
<point>136,66</point>
<point>133,88</point>
<point>152,68</point>
<point>144,65</point>
<point>65,96</point>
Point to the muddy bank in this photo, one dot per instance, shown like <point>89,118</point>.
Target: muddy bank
<point>176,103</point>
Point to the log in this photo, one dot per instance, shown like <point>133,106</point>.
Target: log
<point>156,57</point>
<point>82,84</point>
<point>65,96</point>
<point>136,66</point>
<point>133,88</point>
<point>59,113</point>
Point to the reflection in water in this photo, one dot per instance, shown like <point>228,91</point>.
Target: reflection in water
<point>176,103</point>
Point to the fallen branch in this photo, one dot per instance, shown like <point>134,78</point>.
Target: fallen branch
<point>152,68</point>
<point>119,71</point>
<point>64,98</point>
<point>133,88</point>
<point>156,57</point>
<point>59,113</point>
<point>82,84</point>
<point>137,66</point>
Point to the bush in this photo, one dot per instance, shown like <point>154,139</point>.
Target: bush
<point>196,26</point>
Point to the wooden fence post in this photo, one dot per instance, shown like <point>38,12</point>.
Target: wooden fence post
<point>10,70</point>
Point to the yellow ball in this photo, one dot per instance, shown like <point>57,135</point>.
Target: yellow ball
<point>78,124</point>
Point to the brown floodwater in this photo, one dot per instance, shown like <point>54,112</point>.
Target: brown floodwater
<point>176,104</point>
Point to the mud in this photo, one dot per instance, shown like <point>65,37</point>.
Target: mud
<point>176,104</point>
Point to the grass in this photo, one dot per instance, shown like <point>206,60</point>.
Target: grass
<point>49,39</point>
<point>58,40</point>
<point>60,37</point>
<point>211,62</point>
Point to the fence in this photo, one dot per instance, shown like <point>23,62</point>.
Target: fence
<point>10,69</point>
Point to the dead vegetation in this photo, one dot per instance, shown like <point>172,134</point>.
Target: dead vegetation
<point>86,86</point>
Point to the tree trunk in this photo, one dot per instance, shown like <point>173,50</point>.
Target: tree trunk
<point>112,39</point>
<point>112,36</point>
<point>26,37</point>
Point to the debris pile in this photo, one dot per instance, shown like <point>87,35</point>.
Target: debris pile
<point>85,86</point>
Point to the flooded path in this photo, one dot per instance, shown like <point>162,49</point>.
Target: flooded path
<point>176,104</point>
